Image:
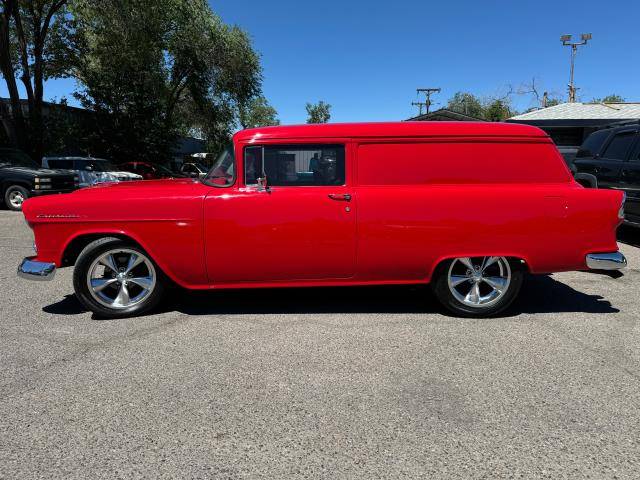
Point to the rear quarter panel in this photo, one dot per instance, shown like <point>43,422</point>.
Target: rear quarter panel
<point>406,231</point>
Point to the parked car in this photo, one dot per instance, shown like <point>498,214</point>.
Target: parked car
<point>150,171</point>
<point>610,159</point>
<point>194,170</point>
<point>90,170</point>
<point>468,207</point>
<point>21,178</point>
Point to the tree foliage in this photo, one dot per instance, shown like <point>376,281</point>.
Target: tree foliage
<point>497,110</point>
<point>490,109</point>
<point>28,46</point>
<point>147,70</point>
<point>257,113</point>
<point>154,69</point>
<point>467,103</point>
<point>318,112</point>
<point>613,98</point>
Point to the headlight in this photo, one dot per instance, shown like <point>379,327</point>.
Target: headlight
<point>44,187</point>
<point>42,180</point>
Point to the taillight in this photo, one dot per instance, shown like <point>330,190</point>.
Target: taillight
<point>621,211</point>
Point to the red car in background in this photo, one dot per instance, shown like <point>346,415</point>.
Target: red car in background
<point>149,171</point>
<point>468,207</point>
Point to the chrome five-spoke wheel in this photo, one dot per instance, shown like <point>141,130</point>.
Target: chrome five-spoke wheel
<point>121,278</point>
<point>478,286</point>
<point>479,281</point>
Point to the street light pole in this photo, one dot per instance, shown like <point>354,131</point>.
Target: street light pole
<point>566,40</point>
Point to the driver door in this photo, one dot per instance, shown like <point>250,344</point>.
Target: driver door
<point>300,227</point>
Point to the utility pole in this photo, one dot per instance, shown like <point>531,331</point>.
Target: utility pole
<point>566,40</point>
<point>427,103</point>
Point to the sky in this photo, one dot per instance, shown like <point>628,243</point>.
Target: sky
<point>366,58</point>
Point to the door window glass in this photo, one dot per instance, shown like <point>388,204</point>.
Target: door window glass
<point>65,164</point>
<point>296,165</point>
<point>593,144</point>
<point>619,146</point>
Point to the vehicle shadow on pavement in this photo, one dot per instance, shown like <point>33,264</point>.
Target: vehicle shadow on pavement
<point>629,235</point>
<point>557,297</point>
<point>544,294</point>
<point>540,294</point>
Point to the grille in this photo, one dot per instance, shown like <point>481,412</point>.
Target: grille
<point>62,183</point>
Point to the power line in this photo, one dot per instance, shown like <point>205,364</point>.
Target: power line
<point>427,102</point>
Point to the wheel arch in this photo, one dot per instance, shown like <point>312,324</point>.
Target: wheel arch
<point>10,183</point>
<point>587,180</point>
<point>515,259</point>
<point>75,244</point>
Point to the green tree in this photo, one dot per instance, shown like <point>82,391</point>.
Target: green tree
<point>28,45</point>
<point>318,112</point>
<point>257,113</point>
<point>154,69</point>
<point>613,98</point>
<point>467,103</point>
<point>497,110</point>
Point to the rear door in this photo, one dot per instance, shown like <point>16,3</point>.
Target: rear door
<point>631,184</point>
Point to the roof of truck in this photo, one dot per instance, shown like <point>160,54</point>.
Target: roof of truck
<point>391,129</point>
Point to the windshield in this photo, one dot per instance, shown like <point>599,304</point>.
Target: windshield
<point>223,171</point>
<point>201,167</point>
<point>167,172</point>
<point>98,165</point>
<point>17,158</point>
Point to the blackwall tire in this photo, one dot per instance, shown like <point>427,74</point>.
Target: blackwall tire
<point>477,286</point>
<point>14,197</point>
<point>115,278</point>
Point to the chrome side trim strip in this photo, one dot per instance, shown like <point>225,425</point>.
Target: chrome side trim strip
<point>606,261</point>
<point>33,270</point>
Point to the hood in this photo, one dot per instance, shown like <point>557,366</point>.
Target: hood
<point>141,186</point>
<point>121,200</point>
<point>37,171</point>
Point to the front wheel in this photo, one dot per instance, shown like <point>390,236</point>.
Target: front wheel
<point>477,286</point>
<point>115,278</point>
<point>14,197</point>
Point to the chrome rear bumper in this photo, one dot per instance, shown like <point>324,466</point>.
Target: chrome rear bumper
<point>606,261</point>
<point>33,270</point>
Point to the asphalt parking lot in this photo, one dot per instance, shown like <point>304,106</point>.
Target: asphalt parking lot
<point>320,383</point>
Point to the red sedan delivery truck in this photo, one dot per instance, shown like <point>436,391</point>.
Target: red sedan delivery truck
<point>467,207</point>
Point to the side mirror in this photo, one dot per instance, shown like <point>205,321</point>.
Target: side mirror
<point>193,175</point>
<point>263,186</point>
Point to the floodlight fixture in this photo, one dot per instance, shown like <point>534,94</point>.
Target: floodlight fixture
<point>566,40</point>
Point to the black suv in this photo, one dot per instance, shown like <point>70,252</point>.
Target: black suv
<point>21,178</point>
<point>610,158</point>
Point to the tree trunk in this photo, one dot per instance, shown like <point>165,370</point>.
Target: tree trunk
<point>15,125</point>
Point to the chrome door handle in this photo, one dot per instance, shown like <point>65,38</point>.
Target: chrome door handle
<point>341,197</point>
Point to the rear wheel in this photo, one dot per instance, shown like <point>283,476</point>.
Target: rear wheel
<point>115,278</point>
<point>477,286</point>
<point>14,197</point>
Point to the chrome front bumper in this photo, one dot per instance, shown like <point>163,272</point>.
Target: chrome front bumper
<point>606,261</point>
<point>32,270</point>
